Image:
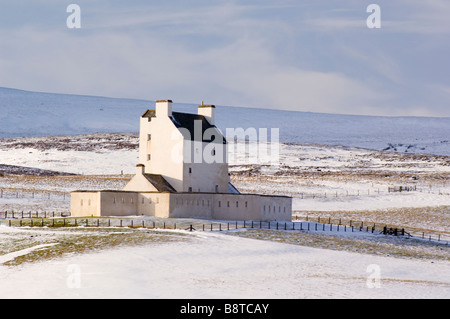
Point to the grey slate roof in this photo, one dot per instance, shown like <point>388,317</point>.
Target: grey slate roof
<point>187,121</point>
<point>160,183</point>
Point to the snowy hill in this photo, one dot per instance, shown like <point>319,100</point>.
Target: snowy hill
<point>24,113</point>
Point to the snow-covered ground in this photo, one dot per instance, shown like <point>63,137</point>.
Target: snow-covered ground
<point>213,265</point>
<point>330,164</point>
<point>320,178</point>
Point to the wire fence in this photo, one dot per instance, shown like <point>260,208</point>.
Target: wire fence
<point>31,214</point>
<point>43,195</point>
<point>371,192</point>
<point>430,189</point>
<point>305,224</point>
<point>381,228</point>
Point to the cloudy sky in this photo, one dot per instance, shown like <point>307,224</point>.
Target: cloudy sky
<point>303,55</point>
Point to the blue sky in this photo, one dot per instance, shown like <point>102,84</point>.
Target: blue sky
<point>317,56</point>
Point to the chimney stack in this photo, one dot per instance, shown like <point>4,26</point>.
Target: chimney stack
<point>163,108</point>
<point>208,111</point>
<point>140,169</point>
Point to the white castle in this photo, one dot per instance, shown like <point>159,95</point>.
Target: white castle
<point>182,173</point>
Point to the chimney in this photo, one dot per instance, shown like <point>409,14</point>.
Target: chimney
<point>208,111</point>
<point>163,108</point>
<point>140,169</point>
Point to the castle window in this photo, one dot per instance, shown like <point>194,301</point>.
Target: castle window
<point>114,200</point>
<point>149,157</point>
<point>228,204</point>
<point>217,188</point>
<point>245,204</point>
<point>220,203</point>
<point>190,190</point>
<point>237,204</point>
<point>190,170</point>
<point>149,137</point>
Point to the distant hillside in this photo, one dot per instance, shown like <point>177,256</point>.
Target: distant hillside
<point>24,113</point>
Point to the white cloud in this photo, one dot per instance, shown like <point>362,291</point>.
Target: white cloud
<point>308,56</point>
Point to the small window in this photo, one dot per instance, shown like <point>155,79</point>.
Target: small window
<point>149,157</point>
<point>217,188</point>
<point>190,170</point>
<point>245,204</point>
<point>220,204</point>
<point>114,200</point>
<point>190,190</point>
<point>149,137</point>
<point>228,204</point>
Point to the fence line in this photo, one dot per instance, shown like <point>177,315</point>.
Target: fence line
<point>322,225</point>
<point>380,227</point>
<point>371,192</point>
<point>36,214</point>
<point>16,194</point>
